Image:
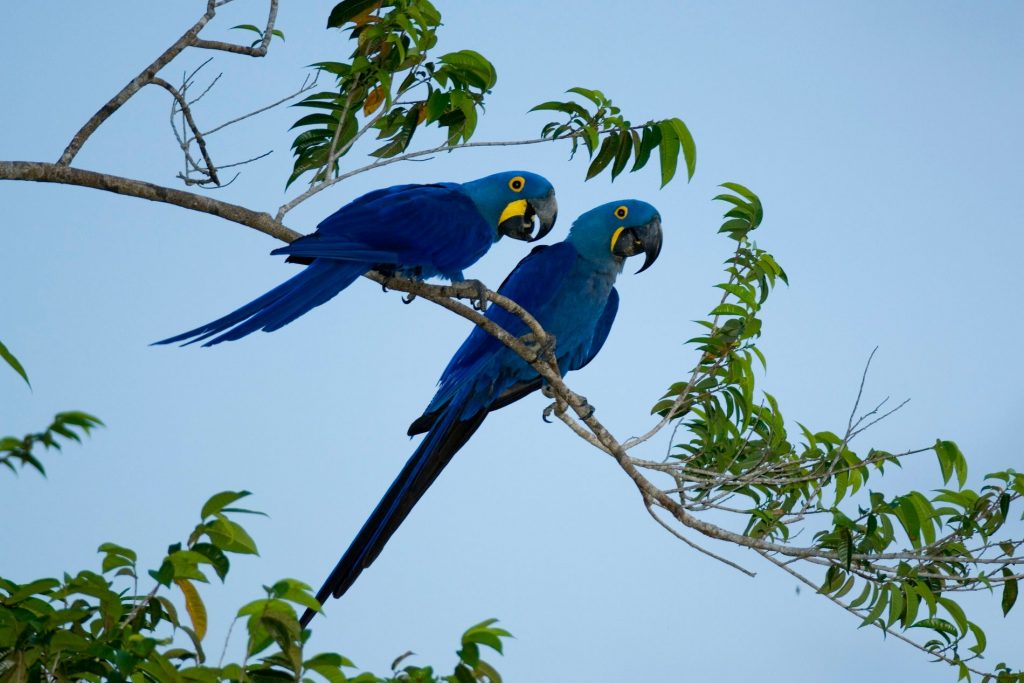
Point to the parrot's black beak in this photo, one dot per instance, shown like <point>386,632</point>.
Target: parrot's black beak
<point>642,238</point>
<point>517,219</point>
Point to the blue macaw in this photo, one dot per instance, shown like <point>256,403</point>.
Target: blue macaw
<point>568,288</point>
<point>418,231</point>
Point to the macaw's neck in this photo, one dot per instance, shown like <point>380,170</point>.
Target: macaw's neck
<point>489,203</point>
<point>592,248</point>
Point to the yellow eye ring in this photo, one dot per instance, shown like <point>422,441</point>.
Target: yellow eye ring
<point>517,183</point>
<point>621,212</point>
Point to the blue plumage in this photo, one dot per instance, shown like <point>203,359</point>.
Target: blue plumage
<point>418,231</point>
<point>568,288</point>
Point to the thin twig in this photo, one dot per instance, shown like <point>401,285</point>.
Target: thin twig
<point>305,86</point>
<point>444,147</point>
<point>186,112</point>
<point>693,545</point>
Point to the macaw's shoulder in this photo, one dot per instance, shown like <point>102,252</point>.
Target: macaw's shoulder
<point>544,264</point>
<point>409,202</point>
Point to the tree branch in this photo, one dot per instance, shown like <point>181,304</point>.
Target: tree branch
<point>250,51</point>
<point>188,39</point>
<point>186,111</point>
<point>133,87</point>
<point>43,172</point>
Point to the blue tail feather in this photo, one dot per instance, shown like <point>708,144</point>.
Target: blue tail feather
<point>316,284</point>
<point>447,435</point>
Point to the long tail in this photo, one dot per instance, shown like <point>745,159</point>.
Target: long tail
<point>445,438</point>
<point>316,284</point>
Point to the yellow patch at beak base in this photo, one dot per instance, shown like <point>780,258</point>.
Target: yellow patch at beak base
<point>615,237</point>
<point>516,208</point>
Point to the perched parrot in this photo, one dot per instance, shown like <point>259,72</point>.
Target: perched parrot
<point>568,288</point>
<point>419,231</point>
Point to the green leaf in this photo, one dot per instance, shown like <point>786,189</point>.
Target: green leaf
<point>949,454</point>
<point>979,636</point>
<point>877,608</point>
<point>297,592</point>
<point>248,27</point>
<point>728,309</point>
<point>230,537</point>
<point>668,151</point>
<point>956,612</point>
<point>13,362</point>
<point>219,501</point>
<point>472,63</point>
<point>604,157</point>
<point>622,154</point>
<point>345,10</point>
<point>940,626</point>
<point>216,556</point>
<point>595,96</point>
<point>651,138</point>
<point>688,145</point>
<point>911,601</point>
<point>1009,591</point>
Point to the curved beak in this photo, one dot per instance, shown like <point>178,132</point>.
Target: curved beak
<point>634,240</point>
<point>516,220</point>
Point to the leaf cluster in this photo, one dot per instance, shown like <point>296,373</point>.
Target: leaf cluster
<point>71,425</point>
<point>96,626</point>
<point>612,141</point>
<point>390,85</point>
<point>906,557</point>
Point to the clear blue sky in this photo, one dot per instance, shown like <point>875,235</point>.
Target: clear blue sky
<point>884,139</point>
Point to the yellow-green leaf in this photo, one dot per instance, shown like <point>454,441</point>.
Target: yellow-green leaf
<point>194,606</point>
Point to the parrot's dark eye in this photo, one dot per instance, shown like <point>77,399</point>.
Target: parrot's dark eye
<point>517,183</point>
<point>621,212</point>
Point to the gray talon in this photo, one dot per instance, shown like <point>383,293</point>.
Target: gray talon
<point>542,351</point>
<point>479,298</point>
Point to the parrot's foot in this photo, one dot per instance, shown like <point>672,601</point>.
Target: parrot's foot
<point>408,298</point>
<point>479,297</point>
<point>586,410</point>
<point>546,415</point>
<point>543,350</point>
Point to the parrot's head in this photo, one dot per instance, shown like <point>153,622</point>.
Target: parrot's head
<point>617,230</point>
<point>512,200</point>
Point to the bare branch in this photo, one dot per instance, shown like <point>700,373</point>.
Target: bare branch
<point>306,85</point>
<point>133,87</point>
<point>259,50</point>
<point>186,112</point>
<point>188,39</point>
<point>684,539</point>
<point>39,171</point>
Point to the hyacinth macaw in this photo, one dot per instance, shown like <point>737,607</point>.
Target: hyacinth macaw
<point>568,288</point>
<point>418,231</point>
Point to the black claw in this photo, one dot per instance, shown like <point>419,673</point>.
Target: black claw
<point>547,413</point>
<point>408,298</point>
<point>586,410</point>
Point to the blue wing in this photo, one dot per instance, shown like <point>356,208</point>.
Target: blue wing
<point>533,283</point>
<point>424,229</point>
<point>604,326</point>
<point>407,225</point>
